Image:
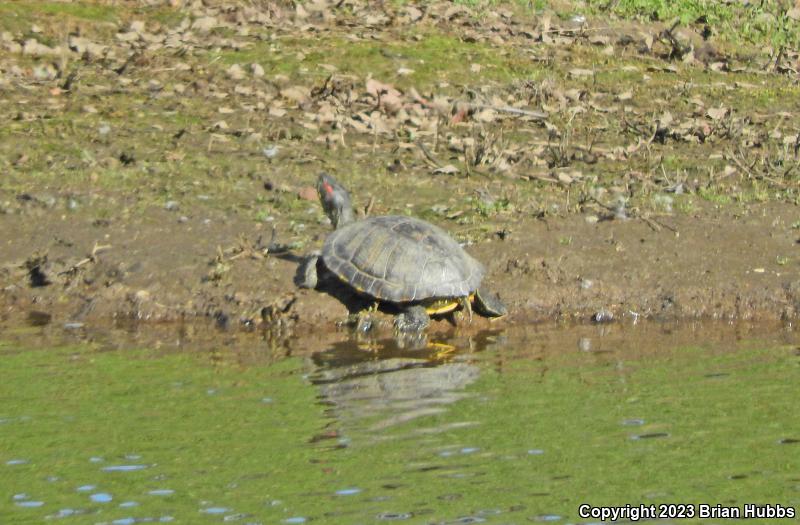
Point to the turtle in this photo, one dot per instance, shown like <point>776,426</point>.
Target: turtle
<point>400,260</point>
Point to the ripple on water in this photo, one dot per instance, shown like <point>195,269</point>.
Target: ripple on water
<point>124,521</point>
<point>123,468</point>
<point>215,510</point>
<point>16,461</point>
<point>467,519</point>
<point>395,516</point>
<point>295,519</point>
<point>21,497</point>
<point>633,422</point>
<point>101,497</point>
<point>348,492</point>
<point>535,452</point>
<point>463,450</point>
<point>161,492</point>
<point>128,504</point>
<point>651,435</point>
<point>65,513</point>
<point>29,504</point>
<point>86,488</point>
<point>547,518</point>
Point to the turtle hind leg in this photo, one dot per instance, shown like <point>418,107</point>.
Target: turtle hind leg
<point>467,306</point>
<point>306,275</point>
<point>489,304</point>
<point>412,319</point>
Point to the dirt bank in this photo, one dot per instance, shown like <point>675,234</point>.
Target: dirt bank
<point>714,265</point>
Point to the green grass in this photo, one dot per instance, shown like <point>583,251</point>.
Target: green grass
<point>757,23</point>
<point>434,58</point>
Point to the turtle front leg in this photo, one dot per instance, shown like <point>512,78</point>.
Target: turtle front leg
<point>306,276</point>
<point>412,319</point>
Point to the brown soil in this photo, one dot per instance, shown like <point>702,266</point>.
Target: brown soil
<point>714,265</point>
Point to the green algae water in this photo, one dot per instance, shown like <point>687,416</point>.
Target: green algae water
<point>544,424</point>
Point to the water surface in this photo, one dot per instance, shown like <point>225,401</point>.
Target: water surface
<point>514,427</point>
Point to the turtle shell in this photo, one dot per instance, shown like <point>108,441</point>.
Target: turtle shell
<point>401,259</point>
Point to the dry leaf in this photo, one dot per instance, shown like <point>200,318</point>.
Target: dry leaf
<point>717,113</point>
<point>578,73</point>
<point>625,95</point>
<point>297,94</point>
<point>446,170</point>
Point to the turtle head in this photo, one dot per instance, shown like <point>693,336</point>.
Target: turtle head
<point>335,200</point>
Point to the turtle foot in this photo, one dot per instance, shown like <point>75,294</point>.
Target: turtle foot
<point>306,275</point>
<point>413,319</point>
<point>489,304</point>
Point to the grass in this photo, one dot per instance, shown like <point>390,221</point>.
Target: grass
<point>434,58</point>
<point>757,23</point>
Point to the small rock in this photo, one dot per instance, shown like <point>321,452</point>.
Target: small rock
<point>257,70</point>
<point>308,193</point>
<point>171,206</point>
<point>603,316</point>
<point>270,151</point>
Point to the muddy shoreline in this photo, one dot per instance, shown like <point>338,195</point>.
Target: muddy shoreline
<point>712,266</point>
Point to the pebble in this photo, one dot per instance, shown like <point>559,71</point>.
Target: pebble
<point>603,316</point>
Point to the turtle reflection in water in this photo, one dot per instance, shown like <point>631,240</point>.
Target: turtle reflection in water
<point>403,261</point>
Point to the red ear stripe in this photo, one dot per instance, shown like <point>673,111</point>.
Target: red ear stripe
<point>328,188</point>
